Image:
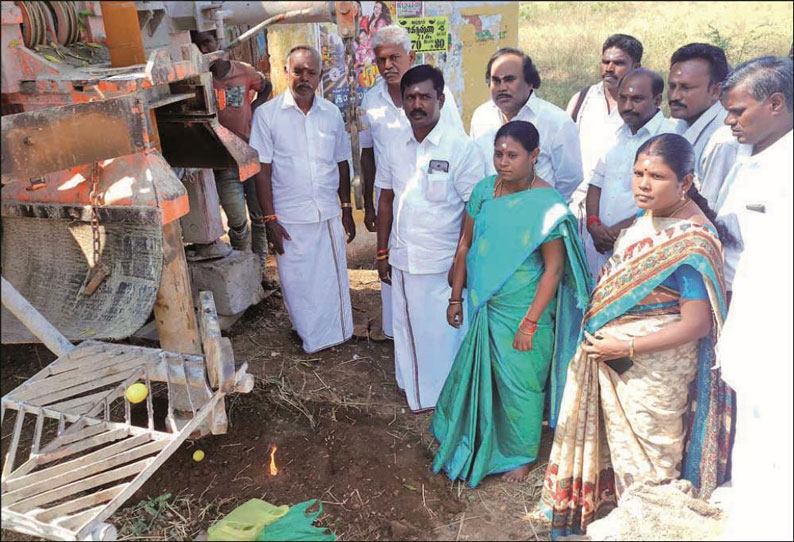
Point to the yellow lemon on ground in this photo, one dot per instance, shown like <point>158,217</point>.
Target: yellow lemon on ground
<point>198,455</point>
<point>137,392</point>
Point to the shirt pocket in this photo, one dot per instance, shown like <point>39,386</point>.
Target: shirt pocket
<point>437,186</point>
<point>326,143</point>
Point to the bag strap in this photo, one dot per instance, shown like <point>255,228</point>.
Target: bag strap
<point>579,102</point>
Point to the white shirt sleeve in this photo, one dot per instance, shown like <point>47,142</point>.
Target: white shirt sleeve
<point>469,172</point>
<point>342,150</point>
<point>717,160</point>
<point>260,138</point>
<point>566,159</point>
<point>450,110</point>
<point>599,173</point>
<point>383,174</point>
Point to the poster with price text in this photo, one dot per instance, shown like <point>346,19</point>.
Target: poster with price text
<point>428,34</point>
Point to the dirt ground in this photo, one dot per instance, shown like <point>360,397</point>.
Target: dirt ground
<point>344,434</point>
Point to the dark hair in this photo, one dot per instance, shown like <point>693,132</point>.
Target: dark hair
<point>194,34</point>
<point>628,44</point>
<point>657,83</point>
<point>421,73</point>
<point>679,155</point>
<point>718,64</point>
<point>766,75</point>
<point>531,75</point>
<point>522,131</point>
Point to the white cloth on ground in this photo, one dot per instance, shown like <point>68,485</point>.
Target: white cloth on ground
<point>428,207</point>
<point>305,150</point>
<point>715,150</point>
<point>314,282</point>
<point>425,345</point>
<point>613,175</point>
<point>560,160</point>
<point>754,182</point>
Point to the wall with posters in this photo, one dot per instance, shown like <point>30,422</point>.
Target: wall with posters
<point>478,28</point>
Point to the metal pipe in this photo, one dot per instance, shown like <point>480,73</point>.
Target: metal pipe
<point>253,12</point>
<point>125,43</point>
<point>242,38</point>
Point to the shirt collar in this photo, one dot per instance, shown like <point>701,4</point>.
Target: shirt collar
<point>691,133</point>
<point>650,128</point>
<point>532,106</point>
<point>289,101</point>
<point>383,90</point>
<point>433,137</point>
<point>782,145</point>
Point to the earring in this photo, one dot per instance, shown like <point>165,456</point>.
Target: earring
<point>683,196</point>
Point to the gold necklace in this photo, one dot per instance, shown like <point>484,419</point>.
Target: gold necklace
<point>497,189</point>
<point>681,206</point>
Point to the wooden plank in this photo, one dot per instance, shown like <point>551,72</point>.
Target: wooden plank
<point>98,455</point>
<point>69,405</point>
<point>74,436</point>
<point>34,320</point>
<point>80,503</point>
<point>8,466</point>
<point>39,400</point>
<point>25,524</point>
<point>77,487</point>
<point>84,350</point>
<point>111,507</point>
<point>84,444</point>
<point>85,471</point>
<point>76,521</point>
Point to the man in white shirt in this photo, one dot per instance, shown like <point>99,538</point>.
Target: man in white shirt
<point>303,148</point>
<point>693,93</point>
<point>382,105</point>
<point>759,106</point>
<point>513,78</point>
<point>425,180</point>
<point>594,109</point>
<point>610,201</point>
<point>758,210</point>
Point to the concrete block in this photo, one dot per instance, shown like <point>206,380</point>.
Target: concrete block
<point>203,223</point>
<point>235,281</point>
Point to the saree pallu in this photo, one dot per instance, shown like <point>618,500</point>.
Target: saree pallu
<point>488,417</point>
<point>667,416</point>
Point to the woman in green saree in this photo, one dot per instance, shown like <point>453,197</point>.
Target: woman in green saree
<point>523,263</point>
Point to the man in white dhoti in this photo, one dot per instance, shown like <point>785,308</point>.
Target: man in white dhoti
<point>303,148</point>
<point>513,80</point>
<point>382,105</point>
<point>758,211</point>
<point>693,93</point>
<point>425,180</point>
<point>610,201</point>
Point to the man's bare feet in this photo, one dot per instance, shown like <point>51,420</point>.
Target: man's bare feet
<point>517,475</point>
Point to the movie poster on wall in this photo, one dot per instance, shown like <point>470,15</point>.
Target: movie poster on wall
<point>374,15</point>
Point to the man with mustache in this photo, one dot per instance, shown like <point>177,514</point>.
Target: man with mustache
<point>304,148</point>
<point>758,98</point>
<point>594,109</point>
<point>610,201</point>
<point>382,105</point>
<point>425,178</point>
<point>754,347</point>
<point>693,93</point>
<point>513,78</point>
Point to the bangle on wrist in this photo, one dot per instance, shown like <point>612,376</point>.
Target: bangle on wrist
<point>593,220</point>
<point>346,205</point>
<point>456,300</point>
<point>383,251</point>
<point>631,348</point>
<point>381,257</point>
<point>268,218</point>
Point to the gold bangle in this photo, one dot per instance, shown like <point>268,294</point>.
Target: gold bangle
<point>347,205</point>
<point>631,348</point>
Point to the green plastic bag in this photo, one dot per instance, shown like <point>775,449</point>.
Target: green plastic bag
<point>296,525</point>
<point>246,521</point>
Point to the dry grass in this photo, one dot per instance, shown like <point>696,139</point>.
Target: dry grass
<point>564,38</point>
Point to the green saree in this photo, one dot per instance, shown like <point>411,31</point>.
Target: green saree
<point>488,416</point>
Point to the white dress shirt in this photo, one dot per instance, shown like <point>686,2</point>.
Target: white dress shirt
<point>597,127</point>
<point>615,168</point>
<point>752,201</point>
<point>428,207</point>
<point>560,160</point>
<point>304,150</point>
<point>384,119</point>
<point>715,150</point>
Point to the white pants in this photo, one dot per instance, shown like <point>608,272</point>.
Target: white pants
<point>385,293</point>
<point>425,345</point>
<point>313,275</point>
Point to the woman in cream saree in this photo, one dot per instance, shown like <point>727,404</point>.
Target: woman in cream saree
<point>643,401</point>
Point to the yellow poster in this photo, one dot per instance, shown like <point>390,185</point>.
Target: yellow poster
<point>428,34</point>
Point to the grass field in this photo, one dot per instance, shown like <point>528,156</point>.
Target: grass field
<point>564,38</point>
